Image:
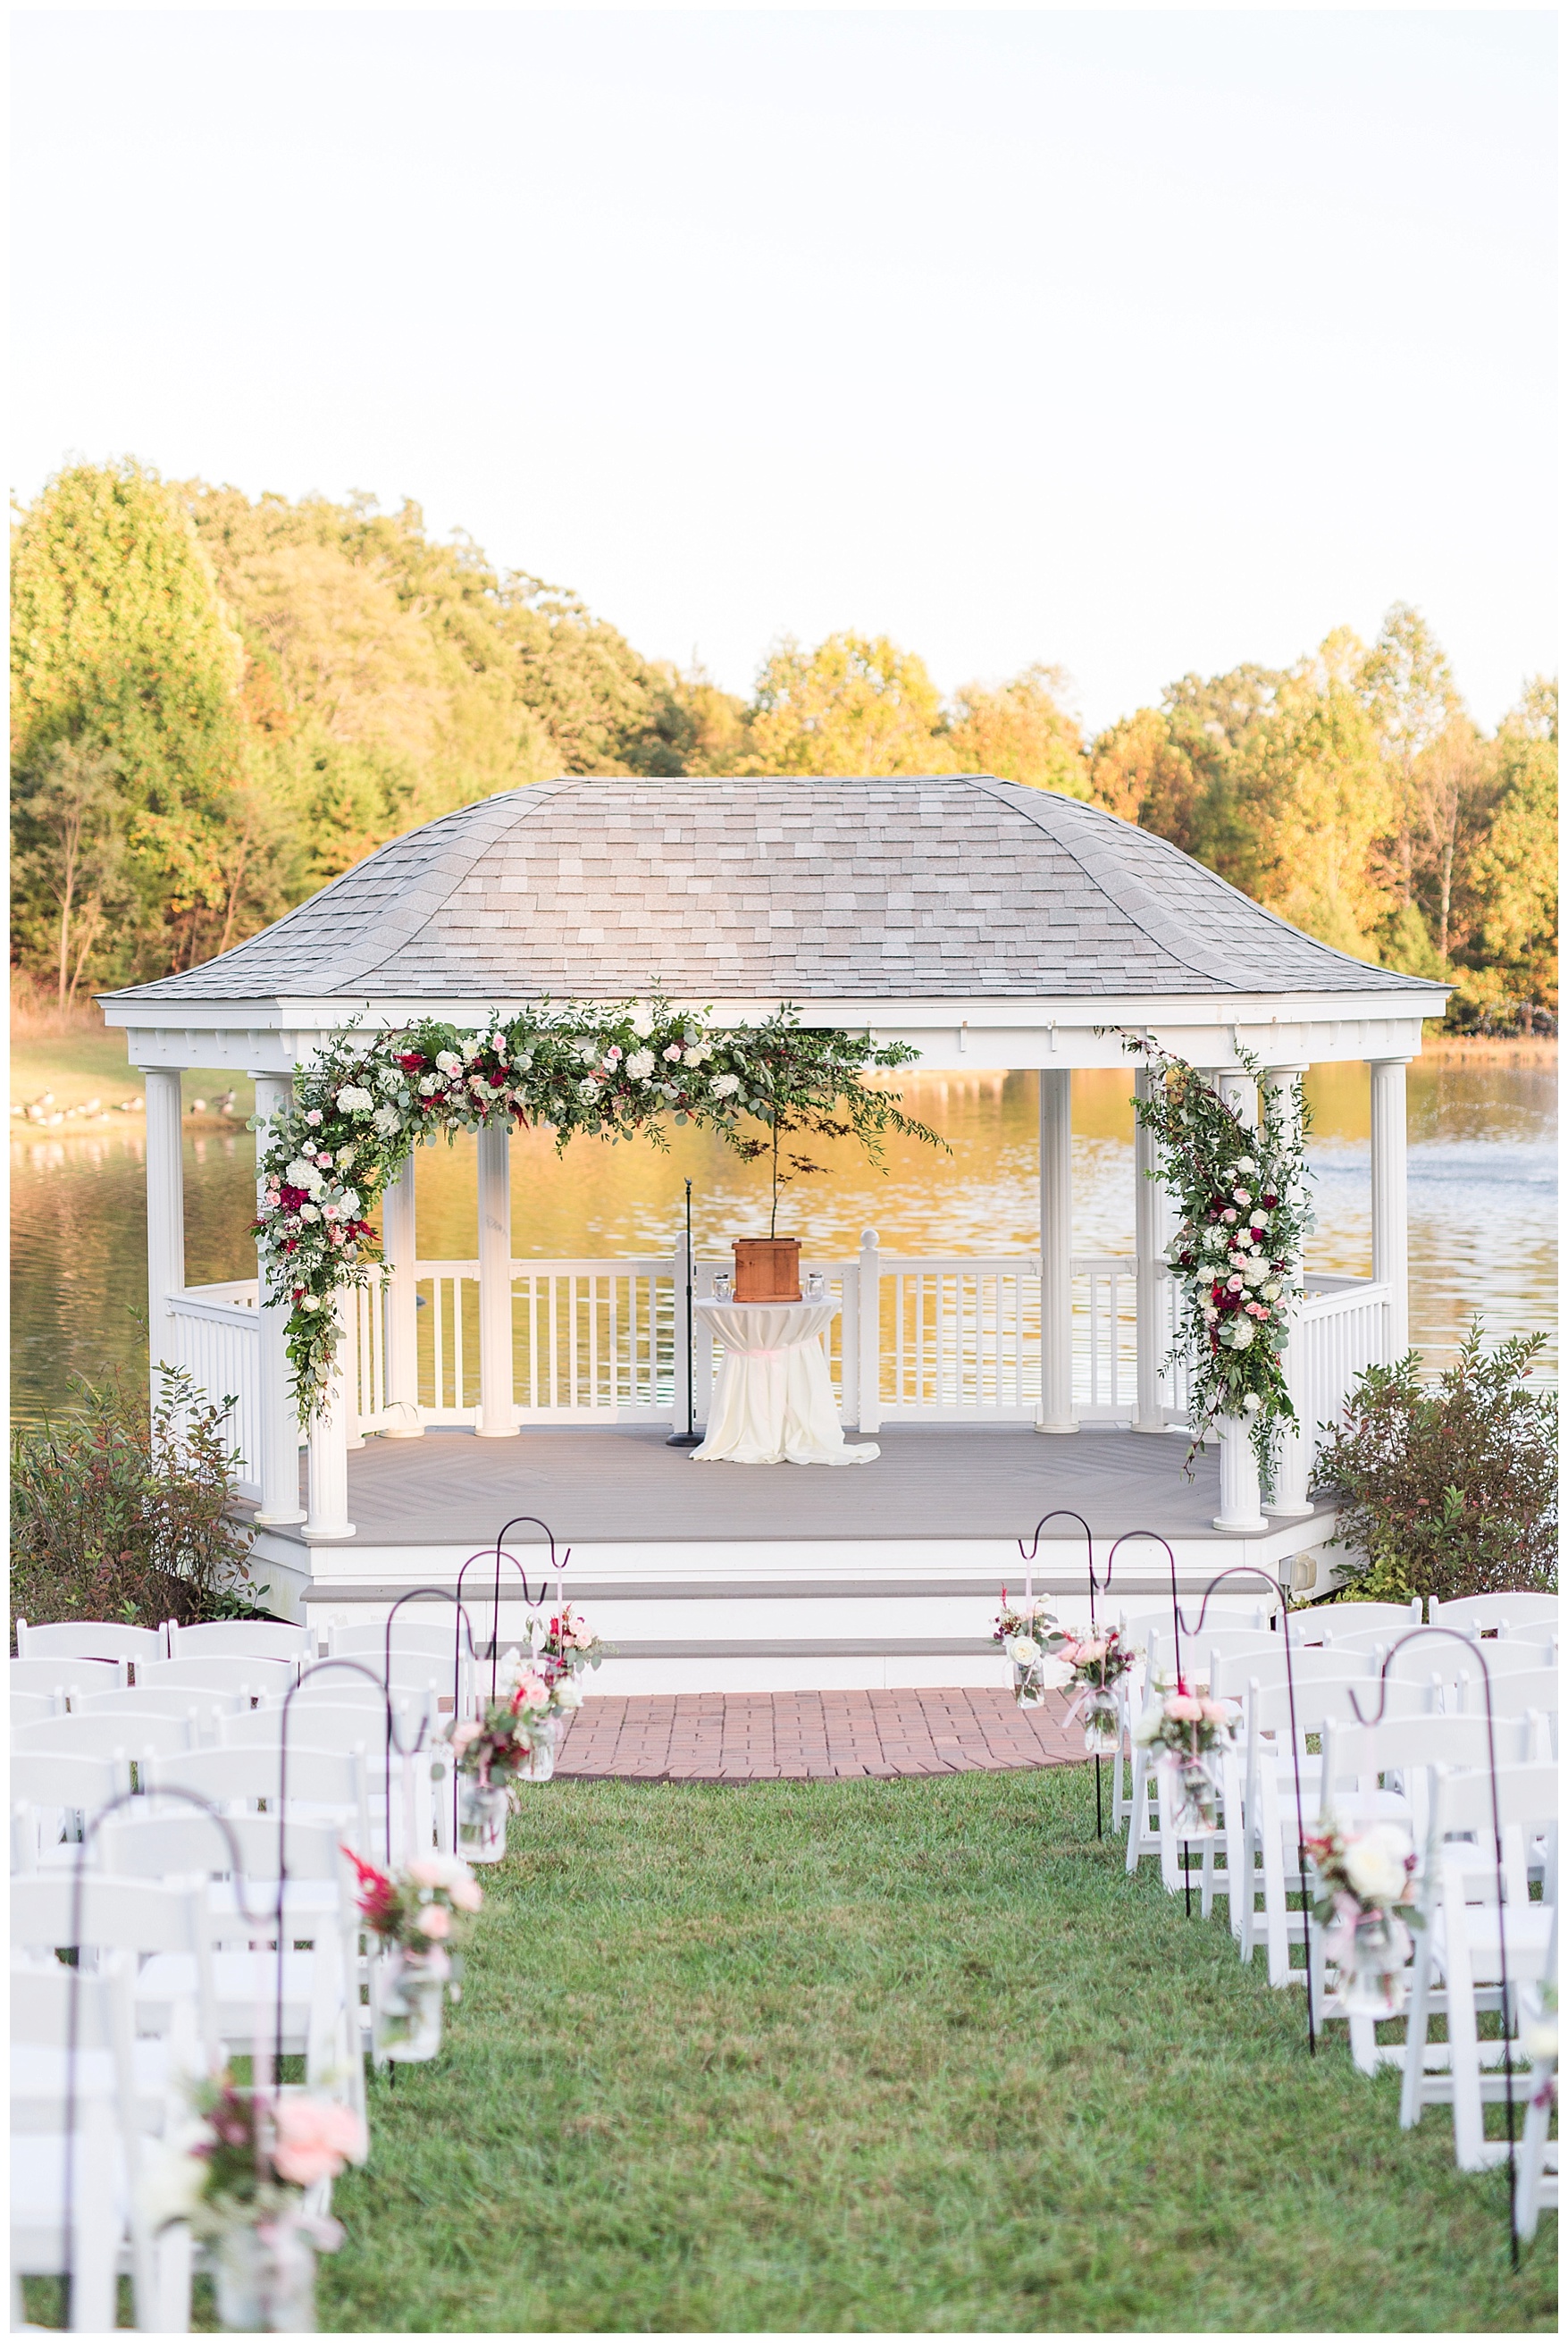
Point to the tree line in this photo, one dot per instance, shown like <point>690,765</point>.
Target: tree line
<point>218,705</point>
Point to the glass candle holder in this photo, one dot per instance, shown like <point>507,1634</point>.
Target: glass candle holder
<point>723,1284</point>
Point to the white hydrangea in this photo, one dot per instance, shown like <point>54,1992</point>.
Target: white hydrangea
<point>301,1174</point>
<point>725,1085</point>
<point>390,1079</point>
<point>353,1100</point>
<point>387,1120</point>
<point>1255,1269</point>
<point>588,1090</point>
<point>640,1064</point>
<point>1238,1334</point>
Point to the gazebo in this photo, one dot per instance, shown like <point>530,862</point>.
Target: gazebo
<point>989,925</point>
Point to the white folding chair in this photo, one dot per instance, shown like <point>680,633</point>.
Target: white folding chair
<point>1535,2172</point>
<point>1468,1938</point>
<point>59,1791</point>
<point>1270,1864</point>
<point>244,1639</point>
<point>99,1915</point>
<point>73,2222</point>
<point>31,1707</point>
<point>68,1679</point>
<point>102,1732</point>
<point>323,1786</point>
<point>220,1672</point>
<point>90,1639</point>
<point>1332,1622</point>
<point>1506,1614</point>
<point>200,1709</point>
<point>322,2020</point>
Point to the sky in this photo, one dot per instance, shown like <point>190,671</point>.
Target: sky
<point>1136,344</point>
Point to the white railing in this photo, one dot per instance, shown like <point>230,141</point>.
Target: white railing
<point>216,1340</point>
<point>917,1341</point>
<point>1343,1326</point>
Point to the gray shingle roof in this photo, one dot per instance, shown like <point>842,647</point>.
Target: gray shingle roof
<point>955,885</point>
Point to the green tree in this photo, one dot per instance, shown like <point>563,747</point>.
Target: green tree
<point>69,843</point>
<point>856,704</point>
<point>1408,689</point>
<point>1021,731</point>
<point>120,643</point>
<point>1512,878</point>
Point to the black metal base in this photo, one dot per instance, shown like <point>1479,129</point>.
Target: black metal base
<point>685,1439</point>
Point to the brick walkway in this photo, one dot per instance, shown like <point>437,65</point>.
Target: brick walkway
<point>813,1736</point>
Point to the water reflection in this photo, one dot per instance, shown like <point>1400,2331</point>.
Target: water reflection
<point>1483,1203</point>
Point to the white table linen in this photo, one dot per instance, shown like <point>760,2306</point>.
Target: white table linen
<point>773,1402</point>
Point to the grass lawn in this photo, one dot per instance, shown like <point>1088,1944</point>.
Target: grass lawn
<point>891,2055</point>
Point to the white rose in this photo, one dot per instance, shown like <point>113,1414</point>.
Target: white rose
<point>448,1061</point>
<point>1375,1862</point>
<point>586,1053</point>
<point>640,1064</point>
<point>641,1023</point>
<point>1023,1649</point>
<point>173,2177</point>
<point>1243,1164</point>
<point>1251,1403</point>
<point>428,1085</point>
<point>697,1051</point>
<point>672,1055</point>
<point>723,1085</point>
<point>523,1063</point>
<point>1270,1292</point>
<point>308,1212</point>
<point>1148,1726</point>
<point>567,1693</point>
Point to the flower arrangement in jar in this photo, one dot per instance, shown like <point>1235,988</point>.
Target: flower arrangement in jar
<point>238,2173</point>
<point>513,1741</point>
<point>1189,1735</point>
<point>414,1916</point>
<point>1365,1884</point>
<point>1099,1662</point>
<point>565,1645</point>
<point>1027,1632</point>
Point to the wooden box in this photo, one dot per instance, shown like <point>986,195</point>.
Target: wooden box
<point>767,1269</point>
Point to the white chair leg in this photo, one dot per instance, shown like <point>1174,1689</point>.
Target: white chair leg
<point>1411,2098</point>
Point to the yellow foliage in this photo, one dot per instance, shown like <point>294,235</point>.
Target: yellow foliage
<point>857,704</point>
<point>1019,731</point>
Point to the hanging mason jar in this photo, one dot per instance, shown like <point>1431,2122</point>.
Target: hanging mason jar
<point>482,1808</point>
<point>1101,1724</point>
<point>1028,1683</point>
<point>540,1765</point>
<point>407,1989</point>
<point>1194,1786</point>
<point>1370,1953</point>
<point>263,2275</point>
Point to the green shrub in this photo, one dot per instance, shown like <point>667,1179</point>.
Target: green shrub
<point>115,1518</point>
<point>1448,1489</point>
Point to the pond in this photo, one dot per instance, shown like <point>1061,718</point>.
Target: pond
<point>1482,1202</point>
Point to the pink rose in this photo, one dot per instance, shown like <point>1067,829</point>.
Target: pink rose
<point>467,1895</point>
<point>1227,1217</point>
<point>531,1692</point>
<point>315,2140</point>
<point>1217,1712</point>
<point>432,1920</point>
<point>468,1730</point>
<point>1182,1709</point>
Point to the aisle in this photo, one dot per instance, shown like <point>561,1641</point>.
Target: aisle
<point>813,1736</point>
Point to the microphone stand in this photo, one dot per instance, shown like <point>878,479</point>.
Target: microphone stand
<point>690,1437</point>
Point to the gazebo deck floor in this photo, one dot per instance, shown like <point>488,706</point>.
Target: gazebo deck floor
<point>623,1485</point>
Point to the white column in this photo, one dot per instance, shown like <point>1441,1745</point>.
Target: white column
<point>1241,1091</point>
<point>869,1360</point>
<point>498,1410</point>
<point>328,1516</point>
<point>1056,1251</point>
<point>1149,1221</point>
<point>1390,1204</point>
<point>1239,1507</point>
<point>1293,1454</point>
<point>165,1216</point>
<point>400,1306</point>
<point>278,1466</point>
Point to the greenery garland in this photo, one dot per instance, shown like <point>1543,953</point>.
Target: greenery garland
<point>616,1072</point>
<point>1237,1254</point>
